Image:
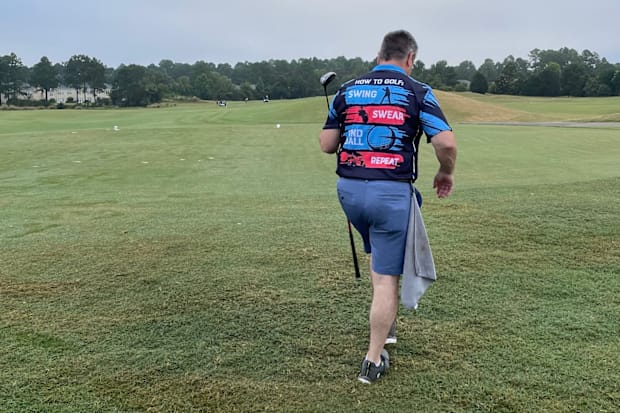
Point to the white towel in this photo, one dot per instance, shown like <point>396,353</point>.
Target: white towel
<point>419,267</point>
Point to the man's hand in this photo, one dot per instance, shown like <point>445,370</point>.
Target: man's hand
<point>445,150</point>
<point>443,184</point>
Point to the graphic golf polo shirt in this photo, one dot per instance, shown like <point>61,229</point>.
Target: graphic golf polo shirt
<point>382,116</point>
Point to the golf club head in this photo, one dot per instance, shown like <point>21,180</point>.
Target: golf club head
<point>327,78</point>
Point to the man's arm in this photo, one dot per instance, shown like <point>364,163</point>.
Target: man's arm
<point>444,144</point>
<point>329,139</point>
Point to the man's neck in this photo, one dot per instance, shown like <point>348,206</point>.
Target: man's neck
<point>398,63</point>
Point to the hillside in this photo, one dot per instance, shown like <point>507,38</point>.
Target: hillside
<point>462,108</point>
<point>472,107</point>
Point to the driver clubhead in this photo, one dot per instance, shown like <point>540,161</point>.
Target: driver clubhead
<point>327,78</point>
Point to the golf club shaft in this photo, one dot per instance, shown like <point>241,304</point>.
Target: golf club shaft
<point>353,252</point>
<point>326,98</point>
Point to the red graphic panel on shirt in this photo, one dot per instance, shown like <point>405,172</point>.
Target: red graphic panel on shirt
<point>372,160</point>
<point>379,115</point>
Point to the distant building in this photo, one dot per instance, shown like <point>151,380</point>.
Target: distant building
<point>61,94</point>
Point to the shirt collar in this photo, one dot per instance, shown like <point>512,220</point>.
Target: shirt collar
<point>388,67</point>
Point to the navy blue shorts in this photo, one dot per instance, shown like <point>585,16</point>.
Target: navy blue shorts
<point>379,210</point>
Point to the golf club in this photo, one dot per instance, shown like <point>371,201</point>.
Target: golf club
<point>326,80</point>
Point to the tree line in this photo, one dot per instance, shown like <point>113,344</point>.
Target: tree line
<point>563,72</point>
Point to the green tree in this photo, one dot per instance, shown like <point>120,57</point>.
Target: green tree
<point>202,67</point>
<point>243,72</point>
<point>158,82</point>
<point>59,68</point>
<point>540,59</point>
<point>221,86</point>
<point>544,82</point>
<point>606,74</point>
<point>247,91</point>
<point>4,69</point>
<point>419,71</point>
<point>443,74</point>
<point>591,60</point>
<point>13,77</point>
<point>304,75</point>
<point>95,77</point>
<point>592,87</point>
<point>201,86</point>
<point>573,79</point>
<point>508,81</point>
<point>168,68</point>
<point>489,70</point>
<point>44,76</point>
<point>465,70</point>
<point>523,68</point>
<point>615,82</point>
<point>298,78</point>
<point>224,69</point>
<point>261,89</point>
<point>155,84</point>
<point>82,72</point>
<point>109,75</point>
<point>76,73</point>
<point>128,88</point>
<point>479,83</point>
<point>182,86</point>
<point>550,80</point>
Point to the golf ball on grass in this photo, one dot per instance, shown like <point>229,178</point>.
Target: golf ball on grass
<point>278,126</point>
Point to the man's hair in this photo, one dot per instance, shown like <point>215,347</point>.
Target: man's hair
<point>397,45</point>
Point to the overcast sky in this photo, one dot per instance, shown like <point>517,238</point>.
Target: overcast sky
<point>232,31</point>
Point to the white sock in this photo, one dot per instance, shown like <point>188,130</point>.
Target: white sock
<point>376,364</point>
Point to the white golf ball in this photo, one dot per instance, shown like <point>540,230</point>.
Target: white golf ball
<point>278,126</point>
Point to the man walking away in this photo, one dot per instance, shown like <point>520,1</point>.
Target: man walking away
<point>376,192</point>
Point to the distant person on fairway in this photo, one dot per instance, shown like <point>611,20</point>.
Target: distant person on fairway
<point>376,194</point>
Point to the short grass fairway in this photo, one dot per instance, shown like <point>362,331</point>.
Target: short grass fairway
<point>197,260</point>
